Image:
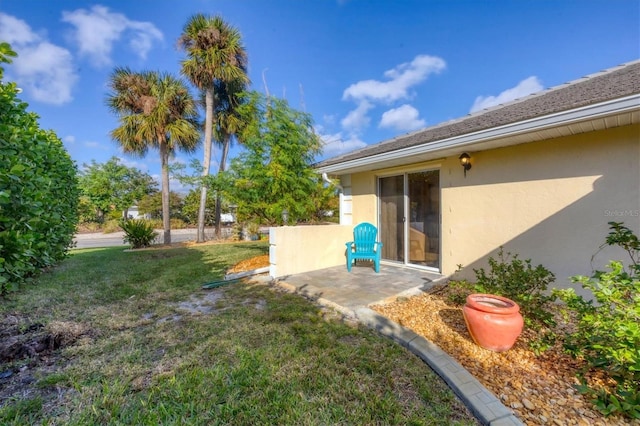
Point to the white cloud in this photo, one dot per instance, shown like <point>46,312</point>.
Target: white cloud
<point>329,118</point>
<point>97,29</point>
<point>403,118</point>
<point>46,72</point>
<point>15,31</point>
<point>43,70</point>
<point>336,144</point>
<point>176,186</point>
<point>70,139</point>
<point>357,119</point>
<point>134,164</point>
<point>401,78</point>
<point>524,88</point>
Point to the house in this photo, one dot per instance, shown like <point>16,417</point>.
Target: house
<point>133,213</point>
<point>543,176</point>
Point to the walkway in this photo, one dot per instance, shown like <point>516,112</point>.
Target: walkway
<point>352,293</point>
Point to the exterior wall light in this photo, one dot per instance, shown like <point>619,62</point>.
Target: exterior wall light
<point>465,162</point>
<point>285,216</point>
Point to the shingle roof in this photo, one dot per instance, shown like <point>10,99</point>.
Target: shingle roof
<point>607,85</point>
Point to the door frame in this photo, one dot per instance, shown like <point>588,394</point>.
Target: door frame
<point>406,209</point>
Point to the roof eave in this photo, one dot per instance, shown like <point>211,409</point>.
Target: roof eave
<point>473,141</point>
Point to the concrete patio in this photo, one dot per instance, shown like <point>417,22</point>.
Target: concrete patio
<point>362,286</point>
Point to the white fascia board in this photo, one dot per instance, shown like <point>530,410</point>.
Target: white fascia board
<point>563,118</point>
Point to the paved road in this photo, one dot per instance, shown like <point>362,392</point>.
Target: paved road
<point>116,238</point>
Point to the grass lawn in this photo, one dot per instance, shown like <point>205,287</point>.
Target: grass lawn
<point>130,338</point>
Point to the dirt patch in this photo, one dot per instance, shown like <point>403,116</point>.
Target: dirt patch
<point>19,340</point>
<point>539,389</point>
<point>29,350</point>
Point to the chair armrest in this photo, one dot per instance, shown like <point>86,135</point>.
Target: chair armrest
<point>349,244</point>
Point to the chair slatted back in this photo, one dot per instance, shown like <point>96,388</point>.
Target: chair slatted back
<point>364,237</point>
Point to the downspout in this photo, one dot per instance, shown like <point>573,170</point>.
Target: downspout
<point>330,182</point>
<point>341,194</point>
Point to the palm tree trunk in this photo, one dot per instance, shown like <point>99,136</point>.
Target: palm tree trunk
<point>223,164</point>
<point>166,212</point>
<point>208,128</point>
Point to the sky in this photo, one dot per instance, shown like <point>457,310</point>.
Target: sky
<point>367,71</point>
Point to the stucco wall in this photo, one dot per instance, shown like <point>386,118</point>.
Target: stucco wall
<point>549,201</point>
<point>297,249</point>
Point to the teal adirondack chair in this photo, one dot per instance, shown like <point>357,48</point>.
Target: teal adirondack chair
<point>364,245</point>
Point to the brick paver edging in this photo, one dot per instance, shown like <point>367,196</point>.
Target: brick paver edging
<point>488,409</point>
<point>483,404</point>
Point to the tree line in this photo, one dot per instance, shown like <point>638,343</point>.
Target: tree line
<point>43,194</point>
<point>156,111</point>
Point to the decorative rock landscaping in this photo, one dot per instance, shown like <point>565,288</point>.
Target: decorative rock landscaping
<point>539,389</point>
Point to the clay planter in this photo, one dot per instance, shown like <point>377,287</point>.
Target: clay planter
<point>493,321</point>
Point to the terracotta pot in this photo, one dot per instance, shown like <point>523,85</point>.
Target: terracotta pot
<point>493,321</point>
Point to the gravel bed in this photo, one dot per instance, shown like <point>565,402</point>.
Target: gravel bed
<point>539,389</point>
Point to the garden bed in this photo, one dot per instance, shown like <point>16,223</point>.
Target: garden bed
<point>539,389</point>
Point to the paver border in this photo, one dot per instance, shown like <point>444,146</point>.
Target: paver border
<point>483,404</point>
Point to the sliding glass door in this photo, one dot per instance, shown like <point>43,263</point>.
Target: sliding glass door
<point>392,218</point>
<point>409,208</point>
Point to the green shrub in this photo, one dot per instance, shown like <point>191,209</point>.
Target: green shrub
<point>608,331</point>
<point>458,290</point>
<point>138,232</point>
<point>236,231</point>
<point>519,281</point>
<point>38,192</point>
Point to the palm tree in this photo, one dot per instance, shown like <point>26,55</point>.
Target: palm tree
<point>214,53</point>
<point>155,110</point>
<point>228,124</point>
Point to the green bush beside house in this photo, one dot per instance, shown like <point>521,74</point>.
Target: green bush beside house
<point>38,191</point>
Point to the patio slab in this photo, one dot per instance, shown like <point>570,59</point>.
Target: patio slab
<point>362,286</point>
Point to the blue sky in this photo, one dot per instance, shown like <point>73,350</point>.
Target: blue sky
<point>367,71</point>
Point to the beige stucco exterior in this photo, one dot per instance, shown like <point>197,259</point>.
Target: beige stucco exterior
<point>298,249</point>
<point>549,201</point>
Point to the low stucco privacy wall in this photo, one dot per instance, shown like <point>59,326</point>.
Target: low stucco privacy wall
<point>549,201</point>
<point>298,249</point>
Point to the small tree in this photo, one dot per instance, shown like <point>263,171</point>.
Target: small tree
<point>191,204</point>
<point>114,186</point>
<point>152,205</point>
<point>274,173</point>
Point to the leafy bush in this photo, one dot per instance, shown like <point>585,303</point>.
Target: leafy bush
<point>138,232</point>
<point>236,231</point>
<point>608,331</point>
<point>519,281</point>
<point>38,191</point>
<point>457,291</point>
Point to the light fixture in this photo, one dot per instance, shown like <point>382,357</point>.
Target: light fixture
<point>285,216</point>
<point>465,162</point>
